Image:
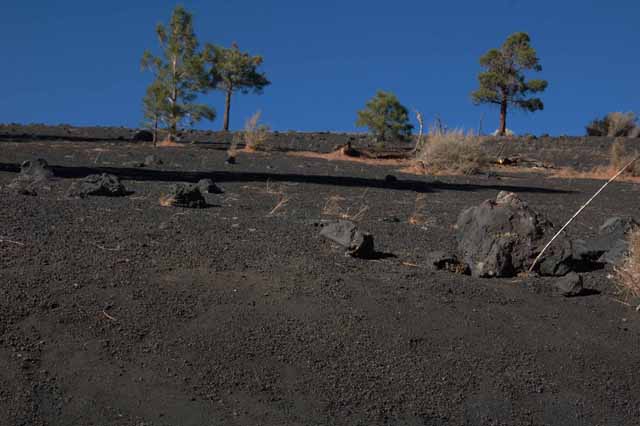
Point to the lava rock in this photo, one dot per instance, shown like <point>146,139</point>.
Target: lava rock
<point>207,186</point>
<point>501,238</point>
<point>142,136</point>
<point>38,168</point>
<point>611,244</point>
<point>34,175</point>
<point>558,260</point>
<point>347,234</point>
<point>184,195</point>
<point>100,185</point>
<point>570,285</point>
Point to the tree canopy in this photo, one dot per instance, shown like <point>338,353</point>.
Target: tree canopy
<point>504,83</point>
<point>233,70</point>
<point>385,117</point>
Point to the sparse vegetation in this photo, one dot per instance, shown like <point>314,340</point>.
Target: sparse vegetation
<point>255,134</point>
<point>179,75</point>
<point>154,106</point>
<point>386,118</point>
<point>504,84</point>
<point>620,157</point>
<point>628,272</point>
<point>334,206</point>
<point>234,71</point>
<point>615,124</point>
<point>454,151</point>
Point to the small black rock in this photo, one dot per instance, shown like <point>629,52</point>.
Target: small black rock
<point>570,285</point>
<point>346,233</point>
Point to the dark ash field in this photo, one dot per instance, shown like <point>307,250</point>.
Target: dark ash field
<point>118,311</point>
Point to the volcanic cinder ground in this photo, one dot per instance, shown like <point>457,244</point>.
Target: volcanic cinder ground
<point>118,311</point>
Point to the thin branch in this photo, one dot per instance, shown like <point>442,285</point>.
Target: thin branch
<point>278,206</point>
<point>109,317</point>
<point>582,208</point>
<point>4,240</point>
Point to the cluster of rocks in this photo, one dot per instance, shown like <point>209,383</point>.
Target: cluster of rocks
<point>189,195</point>
<point>36,175</point>
<point>104,184</point>
<point>503,237</point>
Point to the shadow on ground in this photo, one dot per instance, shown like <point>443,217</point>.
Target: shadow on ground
<point>139,174</point>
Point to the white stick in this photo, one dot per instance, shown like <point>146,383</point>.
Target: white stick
<point>535,262</point>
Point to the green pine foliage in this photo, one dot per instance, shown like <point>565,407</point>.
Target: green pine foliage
<point>155,103</point>
<point>503,82</point>
<point>386,118</point>
<point>179,75</point>
<point>234,71</point>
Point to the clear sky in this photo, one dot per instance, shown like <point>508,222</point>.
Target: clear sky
<point>78,61</point>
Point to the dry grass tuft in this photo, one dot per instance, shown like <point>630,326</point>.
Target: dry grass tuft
<point>334,207</point>
<point>418,217</point>
<point>627,274</point>
<point>452,151</point>
<point>620,157</point>
<point>255,134</point>
<point>167,200</point>
<point>279,192</point>
<point>168,143</point>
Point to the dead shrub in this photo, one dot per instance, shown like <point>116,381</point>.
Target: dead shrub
<point>627,274</point>
<point>334,206</point>
<point>619,157</point>
<point>621,124</point>
<point>418,217</point>
<point>255,134</point>
<point>454,151</point>
<point>615,124</point>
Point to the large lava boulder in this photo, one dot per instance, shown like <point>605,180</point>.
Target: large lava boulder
<point>501,238</point>
<point>102,185</point>
<point>184,195</point>
<point>611,244</point>
<point>33,176</point>
<point>355,242</point>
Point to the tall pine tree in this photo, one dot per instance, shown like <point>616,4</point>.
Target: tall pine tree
<point>504,83</point>
<point>234,71</point>
<point>179,73</point>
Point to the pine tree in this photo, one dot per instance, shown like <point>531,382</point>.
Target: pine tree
<point>385,117</point>
<point>504,83</point>
<point>233,70</point>
<point>179,73</point>
<point>155,103</point>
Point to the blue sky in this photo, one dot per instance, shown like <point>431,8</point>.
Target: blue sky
<point>77,62</point>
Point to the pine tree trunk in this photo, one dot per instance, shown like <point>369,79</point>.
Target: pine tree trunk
<point>173,131</point>
<point>227,110</point>
<point>503,118</point>
<point>155,132</point>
